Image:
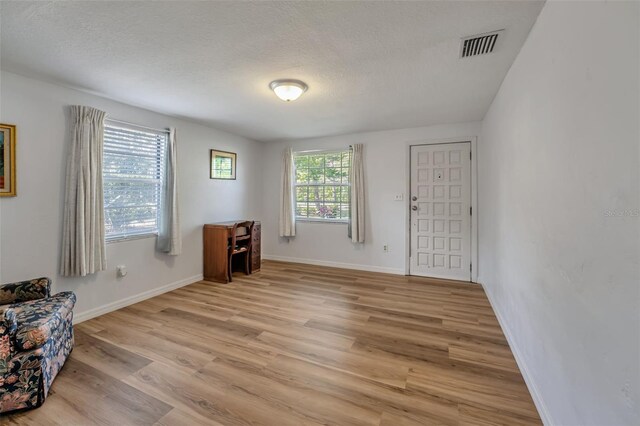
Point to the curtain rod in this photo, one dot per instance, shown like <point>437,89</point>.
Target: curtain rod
<point>113,120</point>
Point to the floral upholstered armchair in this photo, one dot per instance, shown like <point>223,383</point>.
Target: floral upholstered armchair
<point>36,336</point>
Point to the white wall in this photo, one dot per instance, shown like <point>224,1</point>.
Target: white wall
<point>559,150</point>
<point>386,174</point>
<point>31,222</point>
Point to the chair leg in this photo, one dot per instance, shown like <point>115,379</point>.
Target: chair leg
<point>246,263</point>
<point>230,268</point>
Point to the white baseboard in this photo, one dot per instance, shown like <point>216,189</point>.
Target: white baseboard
<point>526,374</point>
<point>355,266</point>
<point>110,307</point>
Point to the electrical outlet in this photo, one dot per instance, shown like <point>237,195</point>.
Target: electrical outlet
<point>121,270</point>
<point>385,248</point>
<point>398,197</point>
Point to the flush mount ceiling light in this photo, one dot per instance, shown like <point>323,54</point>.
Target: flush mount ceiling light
<point>288,90</point>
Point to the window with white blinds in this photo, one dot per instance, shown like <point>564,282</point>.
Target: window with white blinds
<point>133,174</point>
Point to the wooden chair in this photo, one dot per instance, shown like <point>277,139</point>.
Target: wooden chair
<point>239,244</point>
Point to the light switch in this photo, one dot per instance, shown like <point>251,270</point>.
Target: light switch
<point>398,197</point>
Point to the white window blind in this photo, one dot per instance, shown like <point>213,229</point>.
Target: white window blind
<point>133,174</point>
<point>322,185</point>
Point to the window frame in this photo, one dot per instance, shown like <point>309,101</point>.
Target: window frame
<point>347,185</point>
<point>160,173</point>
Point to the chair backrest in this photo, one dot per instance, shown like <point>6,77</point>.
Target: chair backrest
<point>248,226</point>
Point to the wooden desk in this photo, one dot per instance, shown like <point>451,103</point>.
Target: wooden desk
<point>215,239</point>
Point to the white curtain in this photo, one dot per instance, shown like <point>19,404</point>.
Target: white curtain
<point>356,223</point>
<point>169,237</point>
<point>287,196</point>
<point>83,244</point>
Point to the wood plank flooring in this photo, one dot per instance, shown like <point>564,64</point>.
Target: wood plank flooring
<point>294,345</point>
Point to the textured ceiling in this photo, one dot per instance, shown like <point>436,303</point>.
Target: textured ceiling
<point>369,66</point>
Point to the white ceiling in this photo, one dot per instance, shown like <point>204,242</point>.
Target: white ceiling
<point>369,66</point>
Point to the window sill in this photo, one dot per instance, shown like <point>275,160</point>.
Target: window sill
<point>335,222</point>
<point>130,238</point>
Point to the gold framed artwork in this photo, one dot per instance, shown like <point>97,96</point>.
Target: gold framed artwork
<point>223,165</point>
<point>7,160</point>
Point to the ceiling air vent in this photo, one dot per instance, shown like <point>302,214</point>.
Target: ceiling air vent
<point>480,44</point>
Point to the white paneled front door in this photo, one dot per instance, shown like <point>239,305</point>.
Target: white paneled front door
<point>441,211</point>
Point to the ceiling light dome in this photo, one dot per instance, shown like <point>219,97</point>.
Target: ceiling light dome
<point>288,90</point>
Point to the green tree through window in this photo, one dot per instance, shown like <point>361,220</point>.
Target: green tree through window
<point>323,185</point>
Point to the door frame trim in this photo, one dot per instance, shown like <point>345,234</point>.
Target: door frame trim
<point>473,140</point>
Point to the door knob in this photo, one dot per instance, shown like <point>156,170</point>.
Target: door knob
<point>414,207</point>
<point>414,198</point>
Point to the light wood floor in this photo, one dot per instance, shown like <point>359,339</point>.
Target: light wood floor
<point>294,345</point>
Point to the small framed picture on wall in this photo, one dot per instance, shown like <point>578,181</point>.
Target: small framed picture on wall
<point>223,165</point>
<point>7,160</point>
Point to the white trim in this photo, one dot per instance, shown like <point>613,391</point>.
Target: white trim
<point>536,395</point>
<point>474,197</point>
<point>318,220</point>
<point>132,126</point>
<point>120,239</point>
<point>321,151</point>
<point>118,304</point>
<point>354,266</point>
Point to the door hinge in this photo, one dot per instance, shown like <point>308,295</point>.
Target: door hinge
<point>470,211</point>
<point>471,267</point>
<point>470,154</point>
